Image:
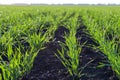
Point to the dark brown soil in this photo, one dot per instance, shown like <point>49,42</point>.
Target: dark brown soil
<point>95,64</point>
<point>47,66</point>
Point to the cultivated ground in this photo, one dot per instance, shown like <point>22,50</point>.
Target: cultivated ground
<point>59,43</point>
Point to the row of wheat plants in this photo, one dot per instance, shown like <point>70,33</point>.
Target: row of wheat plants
<point>69,55</point>
<point>103,25</point>
<point>21,38</point>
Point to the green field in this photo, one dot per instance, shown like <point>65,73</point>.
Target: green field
<point>25,30</point>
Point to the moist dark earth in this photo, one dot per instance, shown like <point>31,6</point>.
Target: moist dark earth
<point>47,66</point>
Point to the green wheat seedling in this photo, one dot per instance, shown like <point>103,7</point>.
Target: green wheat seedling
<point>70,57</point>
<point>18,64</point>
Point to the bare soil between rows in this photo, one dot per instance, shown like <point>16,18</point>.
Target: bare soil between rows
<point>47,66</point>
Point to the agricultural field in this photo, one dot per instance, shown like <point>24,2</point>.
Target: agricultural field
<point>59,42</point>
